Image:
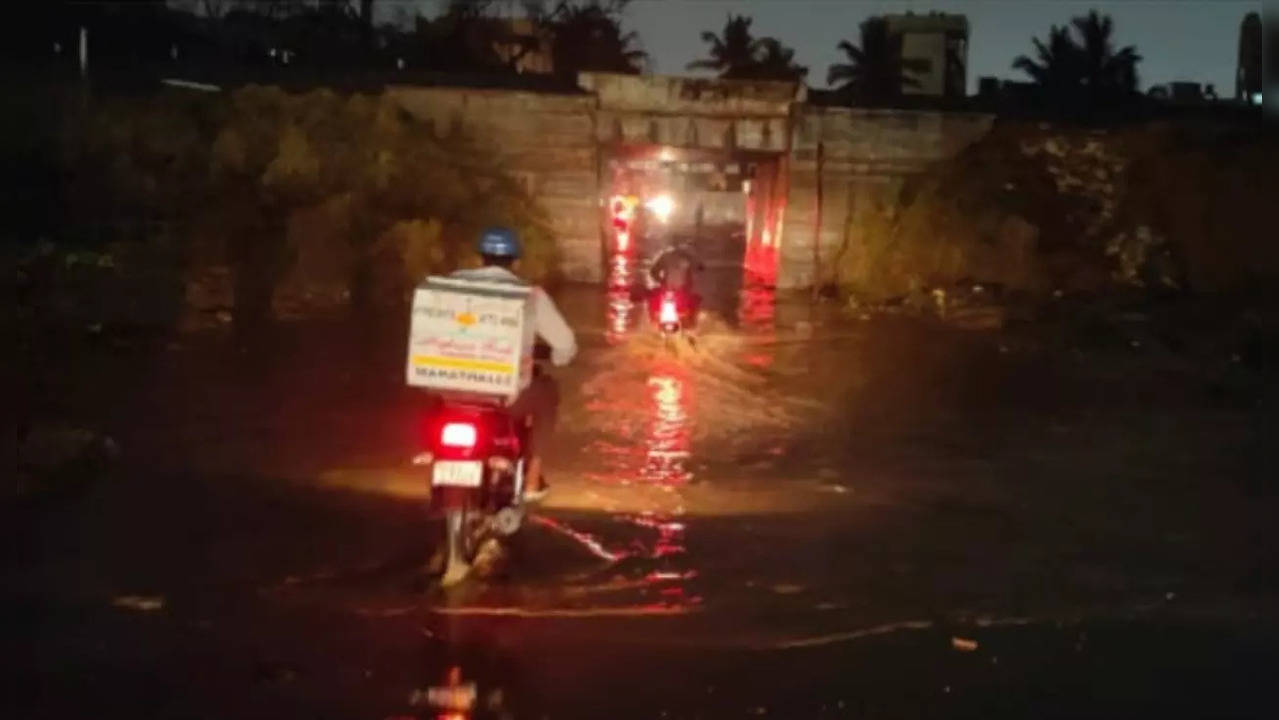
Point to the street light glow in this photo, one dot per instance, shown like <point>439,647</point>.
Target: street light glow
<point>662,206</point>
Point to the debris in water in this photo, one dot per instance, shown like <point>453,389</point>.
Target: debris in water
<point>963,644</point>
<point>141,603</point>
<point>787,589</point>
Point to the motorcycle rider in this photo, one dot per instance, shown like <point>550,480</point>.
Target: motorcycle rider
<point>500,249</point>
<point>674,267</point>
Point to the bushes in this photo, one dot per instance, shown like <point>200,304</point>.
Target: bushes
<point>1041,208</point>
<point>328,199</point>
<point>392,201</point>
<point>968,220</point>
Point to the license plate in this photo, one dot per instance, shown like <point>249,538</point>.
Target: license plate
<point>458,473</point>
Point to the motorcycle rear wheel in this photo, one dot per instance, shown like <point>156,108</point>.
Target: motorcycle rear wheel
<point>463,533</point>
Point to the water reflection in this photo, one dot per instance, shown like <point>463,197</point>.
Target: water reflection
<point>621,316</point>
<point>620,312</point>
<point>670,538</point>
<point>669,581</point>
<point>668,441</point>
<point>621,271</point>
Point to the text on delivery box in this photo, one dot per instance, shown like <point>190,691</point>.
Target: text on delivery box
<point>469,338</point>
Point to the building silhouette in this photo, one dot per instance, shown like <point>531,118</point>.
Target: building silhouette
<point>1248,79</point>
<point>939,41</point>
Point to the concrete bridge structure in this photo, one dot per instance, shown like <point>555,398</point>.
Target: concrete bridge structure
<point>806,169</point>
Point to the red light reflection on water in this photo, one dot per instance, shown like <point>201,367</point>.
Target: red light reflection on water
<point>670,537</point>
<point>620,311</point>
<point>621,316</point>
<point>759,266</point>
<point>668,443</point>
<point>757,306</point>
<point>621,270</point>
<point>586,540</point>
<point>670,583</point>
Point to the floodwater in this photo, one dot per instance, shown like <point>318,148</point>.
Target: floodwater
<point>803,516</point>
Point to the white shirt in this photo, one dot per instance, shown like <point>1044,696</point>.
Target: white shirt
<point>548,323</point>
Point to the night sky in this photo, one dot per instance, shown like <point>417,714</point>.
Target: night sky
<point>1179,39</point>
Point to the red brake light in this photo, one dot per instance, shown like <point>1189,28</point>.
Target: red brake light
<point>458,435</point>
<point>668,313</point>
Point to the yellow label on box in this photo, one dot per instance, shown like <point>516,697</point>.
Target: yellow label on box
<point>462,364</point>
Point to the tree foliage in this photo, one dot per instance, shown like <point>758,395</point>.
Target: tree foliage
<point>875,71</point>
<point>1083,69</point>
<point>777,62</point>
<point>588,36</point>
<point>738,55</point>
<point>238,177</point>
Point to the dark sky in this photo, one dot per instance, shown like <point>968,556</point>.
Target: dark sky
<point>1180,39</point>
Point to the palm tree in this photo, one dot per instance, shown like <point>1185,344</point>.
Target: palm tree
<point>876,71</point>
<point>1056,68</point>
<point>735,53</point>
<point>588,36</point>
<point>777,63</point>
<point>1106,73</point>
<point>1088,70</point>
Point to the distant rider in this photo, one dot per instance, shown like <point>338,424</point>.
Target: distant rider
<point>674,269</point>
<point>500,251</point>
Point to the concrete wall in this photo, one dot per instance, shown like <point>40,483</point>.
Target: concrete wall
<point>674,95</point>
<point>553,143</point>
<point>692,112</point>
<point>866,154</point>
<point>547,141</point>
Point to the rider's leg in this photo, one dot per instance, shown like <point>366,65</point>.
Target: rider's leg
<point>538,405</point>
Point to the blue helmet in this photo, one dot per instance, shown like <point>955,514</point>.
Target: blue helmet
<point>499,242</point>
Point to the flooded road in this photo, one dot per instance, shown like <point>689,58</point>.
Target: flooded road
<point>808,516</point>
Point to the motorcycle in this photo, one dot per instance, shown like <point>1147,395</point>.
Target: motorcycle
<point>673,311</point>
<point>475,455</point>
<point>673,304</point>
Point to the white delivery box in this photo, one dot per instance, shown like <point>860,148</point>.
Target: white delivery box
<point>471,336</point>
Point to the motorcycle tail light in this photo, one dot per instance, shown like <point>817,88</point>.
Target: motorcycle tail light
<point>668,313</point>
<point>458,435</point>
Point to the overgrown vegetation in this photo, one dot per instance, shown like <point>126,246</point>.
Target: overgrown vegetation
<point>309,200</point>
<point>1083,71</point>
<point>1039,209</point>
<point>875,72</point>
<point>736,54</point>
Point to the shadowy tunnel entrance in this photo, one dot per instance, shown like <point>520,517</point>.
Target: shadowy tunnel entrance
<point>722,205</point>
